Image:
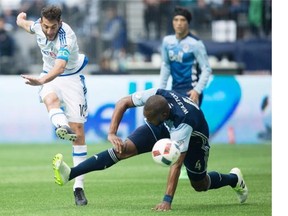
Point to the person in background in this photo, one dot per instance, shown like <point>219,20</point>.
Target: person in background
<point>151,19</point>
<point>7,48</point>
<point>184,58</point>
<point>168,114</point>
<point>114,32</point>
<point>255,17</point>
<point>61,82</point>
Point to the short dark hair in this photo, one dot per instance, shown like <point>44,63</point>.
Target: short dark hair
<point>51,12</point>
<point>183,12</point>
<point>155,105</point>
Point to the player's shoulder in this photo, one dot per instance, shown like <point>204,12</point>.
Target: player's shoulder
<point>66,31</point>
<point>169,38</point>
<point>36,26</point>
<point>193,38</point>
<point>66,27</point>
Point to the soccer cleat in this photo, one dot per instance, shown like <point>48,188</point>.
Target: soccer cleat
<point>240,188</point>
<point>64,132</point>
<point>61,170</point>
<point>80,198</point>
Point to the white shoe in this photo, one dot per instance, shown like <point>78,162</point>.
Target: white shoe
<point>61,170</point>
<point>240,188</point>
<point>64,132</point>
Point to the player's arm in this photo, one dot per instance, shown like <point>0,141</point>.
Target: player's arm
<point>172,183</point>
<point>22,22</point>
<point>182,136</point>
<point>60,64</point>
<point>165,67</point>
<point>136,99</point>
<point>121,106</point>
<point>58,69</point>
<point>202,59</point>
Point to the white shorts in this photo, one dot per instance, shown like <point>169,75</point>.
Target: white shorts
<point>71,91</point>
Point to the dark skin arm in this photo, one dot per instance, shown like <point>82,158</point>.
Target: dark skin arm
<point>172,182</point>
<point>121,106</point>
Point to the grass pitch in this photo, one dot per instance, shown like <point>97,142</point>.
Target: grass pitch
<point>131,187</point>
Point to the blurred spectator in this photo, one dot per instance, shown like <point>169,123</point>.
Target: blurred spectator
<point>32,8</point>
<point>255,17</point>
<point>10,18</point>
<point>266,111</point>
<point>152,18</point>
<point>114,33</point>
<point>238,11</point>
<point>236,7</point>
<point>166,8</point>
<point>7,47</point>
<point>105,65</point>
<point>219,9</point>
<point>201,14</point>
<point>267,17</point>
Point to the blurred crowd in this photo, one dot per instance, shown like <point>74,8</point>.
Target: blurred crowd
<point>108,30</point>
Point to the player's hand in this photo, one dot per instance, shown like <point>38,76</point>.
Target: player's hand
<point>163,206</point>
<point>194,96</point>
<point>21,16</point>
<point>30,80</point>
<point>117,142</point>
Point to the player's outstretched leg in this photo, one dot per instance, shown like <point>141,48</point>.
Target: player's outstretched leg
<point>64,132</point>
<point>240,188</point>
<point>61,170</point>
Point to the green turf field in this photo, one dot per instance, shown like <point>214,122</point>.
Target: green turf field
<point>131,187</point>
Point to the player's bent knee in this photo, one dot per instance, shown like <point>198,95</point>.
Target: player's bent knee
<point>129,150</point>
<point>200,186</point>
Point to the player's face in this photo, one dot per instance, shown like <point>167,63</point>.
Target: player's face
<point>50,28</point>
<point>180,25</point>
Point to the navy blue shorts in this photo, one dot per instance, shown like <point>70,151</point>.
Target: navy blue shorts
<point>196,159</point>
<point>145,136</point>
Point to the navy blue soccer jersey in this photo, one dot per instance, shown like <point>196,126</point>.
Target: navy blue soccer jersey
<point>185,120</point>
<point>186,61</point>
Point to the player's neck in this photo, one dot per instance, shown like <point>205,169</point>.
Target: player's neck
<point>181,36</point>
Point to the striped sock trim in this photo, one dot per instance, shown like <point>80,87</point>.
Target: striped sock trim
<point>113,155</point>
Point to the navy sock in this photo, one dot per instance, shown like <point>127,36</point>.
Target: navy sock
<point>99,161</point>
<point>219,180</point>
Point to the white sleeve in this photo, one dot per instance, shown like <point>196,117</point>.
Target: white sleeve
<point>202,59</point>
<point>165,66</point>
<point>139,98</point>
<point>182,135</point>
<point>35,27</point>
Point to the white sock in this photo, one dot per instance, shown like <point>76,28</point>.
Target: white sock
<point>79,155</point>
<point>57,117</point>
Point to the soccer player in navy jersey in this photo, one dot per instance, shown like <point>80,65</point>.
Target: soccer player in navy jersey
<point>61,83</point>
<point>168,114</point>
<point>185,59</point>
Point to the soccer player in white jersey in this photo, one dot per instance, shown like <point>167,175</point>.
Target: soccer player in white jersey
<point>184,58</point>
<point>61,82</point>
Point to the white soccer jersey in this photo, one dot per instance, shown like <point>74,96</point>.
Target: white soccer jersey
<point>64,46</point>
